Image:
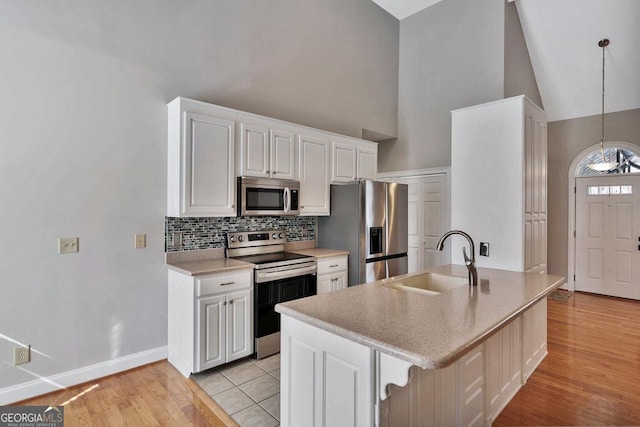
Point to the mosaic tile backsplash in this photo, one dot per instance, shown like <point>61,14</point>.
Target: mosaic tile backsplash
<point>210,233</point>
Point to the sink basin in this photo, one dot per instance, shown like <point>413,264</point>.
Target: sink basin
<point>430,283</point>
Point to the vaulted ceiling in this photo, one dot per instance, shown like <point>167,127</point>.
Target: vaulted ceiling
<point>562,37</point>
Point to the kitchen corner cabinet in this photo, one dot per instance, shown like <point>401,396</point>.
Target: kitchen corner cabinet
<point>353,160</point>
<point>499,182</point>
<point>332,274</point>
<point>267,149</point>
<point>201,173</point>
<point>314,152</point>
<point>210,319</point>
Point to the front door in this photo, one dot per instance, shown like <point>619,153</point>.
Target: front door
<point>608,235</point>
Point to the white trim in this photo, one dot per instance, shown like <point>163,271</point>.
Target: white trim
<point>571,246</point>
<point>411,173</point>
<point>57,382</point>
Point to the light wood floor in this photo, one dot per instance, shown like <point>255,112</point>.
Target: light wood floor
<point>592,373</point>
<point>590,377</point>
<point>151,395</point>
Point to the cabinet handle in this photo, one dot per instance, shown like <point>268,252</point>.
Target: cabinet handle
<point>224,303</point>
<point>333,266</point>
<point>227,284</point>
<point>231,302</point>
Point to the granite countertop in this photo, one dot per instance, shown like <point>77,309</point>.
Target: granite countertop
<point>428,331</point>
<point>320,253</point>
<point>209,266</point>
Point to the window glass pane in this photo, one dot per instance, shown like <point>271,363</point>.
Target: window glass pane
<point>626,189</point>
<point>627,161</point>
<point>614,189</point>
<point>604,189</point>
<point>593,190</point>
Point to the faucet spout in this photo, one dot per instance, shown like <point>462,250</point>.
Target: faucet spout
<point>469,261</point>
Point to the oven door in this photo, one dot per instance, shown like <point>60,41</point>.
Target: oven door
<point>266,321</point>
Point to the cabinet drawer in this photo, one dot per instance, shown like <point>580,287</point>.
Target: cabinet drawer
<point>331,265</point>
<point>216,283</point>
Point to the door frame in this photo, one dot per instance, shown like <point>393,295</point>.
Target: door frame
<point>421,173</point>
<point>571,247</point>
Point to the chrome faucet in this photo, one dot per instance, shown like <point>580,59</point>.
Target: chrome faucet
<point>469,262</point>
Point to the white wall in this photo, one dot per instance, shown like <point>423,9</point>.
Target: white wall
<point>84,86</point>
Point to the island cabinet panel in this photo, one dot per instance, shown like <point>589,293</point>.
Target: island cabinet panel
<point>503,352</point>
<point>534,338</point>
<point>471,389</point>
<point>326,379</point>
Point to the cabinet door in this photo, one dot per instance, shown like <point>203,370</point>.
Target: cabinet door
<point>254,150</point>
<point>239,331</point>
<point>367,162</point>
<point>314,175</point>
<point>343,160</point>
<point>324,283</point>
<point>208,178</point>
<point>283,164</point>
<point>211,332</point>
<point>340,281</point>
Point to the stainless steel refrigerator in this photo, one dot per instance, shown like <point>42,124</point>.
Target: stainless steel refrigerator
<point>368,219</point>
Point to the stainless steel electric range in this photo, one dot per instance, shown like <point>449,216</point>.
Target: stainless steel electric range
<point>278,276</point>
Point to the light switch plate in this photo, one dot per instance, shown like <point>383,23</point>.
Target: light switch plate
<point>68,245</point>
<point>484,249</point>
<point>140,241</point>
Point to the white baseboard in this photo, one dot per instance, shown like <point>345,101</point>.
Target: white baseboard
<point>56,382</point>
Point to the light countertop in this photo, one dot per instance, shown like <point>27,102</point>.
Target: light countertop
<point>320,253</point>
<point>209,266</point>
<point>428,331</point>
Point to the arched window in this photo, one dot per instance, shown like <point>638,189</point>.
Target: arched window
<point>627,160</point>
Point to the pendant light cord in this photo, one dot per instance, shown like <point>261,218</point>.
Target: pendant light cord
<point>602,119</point>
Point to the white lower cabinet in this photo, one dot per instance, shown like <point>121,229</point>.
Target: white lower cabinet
<point>334,378</point>
<point>325,379</point>
<point>210,319</point>
<point>332,274</point>
<point>224,332</point>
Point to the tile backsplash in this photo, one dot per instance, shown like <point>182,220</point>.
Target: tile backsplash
<point>209,233</point>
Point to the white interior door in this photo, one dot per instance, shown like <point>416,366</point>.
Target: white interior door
<point>608,235</point>
<point>427,221</point>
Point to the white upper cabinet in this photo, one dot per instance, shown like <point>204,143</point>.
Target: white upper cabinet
<point>266,149</point>
<point>367,167</point>
<point>201,174</point>
<point>353,159</point>
<point>314,173</point>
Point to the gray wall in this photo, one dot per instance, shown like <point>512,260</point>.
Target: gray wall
<point>84,87</point>
<point>518,73</point>
<point>566,139</point>
<point>451,56</point>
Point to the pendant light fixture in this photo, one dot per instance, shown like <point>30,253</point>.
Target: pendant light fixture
<point>604,166</point>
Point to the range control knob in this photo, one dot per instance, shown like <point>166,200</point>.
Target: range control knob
<point>274,236</point>
<point>240,238</point>
<point>280,235</point>
<point>232,238</point>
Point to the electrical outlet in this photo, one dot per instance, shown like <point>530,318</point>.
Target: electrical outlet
<point>21,355</point>
<point>484,249</point>
<point>176,239</point>
<point>68,245</point>
<point>140,241</point>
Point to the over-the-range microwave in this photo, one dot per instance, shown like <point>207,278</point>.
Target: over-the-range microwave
<point>267,197</point>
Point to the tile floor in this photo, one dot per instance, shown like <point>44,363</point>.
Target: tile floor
<point>248,390</point>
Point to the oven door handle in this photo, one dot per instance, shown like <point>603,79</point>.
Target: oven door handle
<point>283,274</point>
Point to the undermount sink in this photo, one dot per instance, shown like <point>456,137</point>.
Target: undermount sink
<point>430,283</point>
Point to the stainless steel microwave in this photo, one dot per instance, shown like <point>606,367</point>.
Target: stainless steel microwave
<point>268,197</point>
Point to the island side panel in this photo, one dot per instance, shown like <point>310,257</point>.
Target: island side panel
<point>325,379</point>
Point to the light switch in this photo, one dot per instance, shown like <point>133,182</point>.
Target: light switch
<point>140,241</point>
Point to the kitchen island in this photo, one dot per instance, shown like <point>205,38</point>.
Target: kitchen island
<point>457,353</point>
